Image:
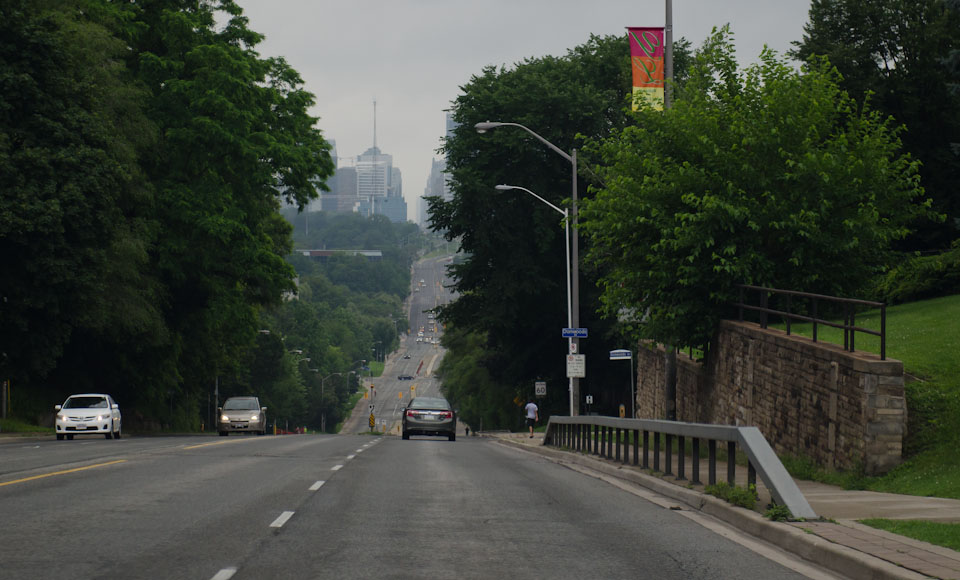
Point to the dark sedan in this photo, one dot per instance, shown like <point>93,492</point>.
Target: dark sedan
<point>430,416</point>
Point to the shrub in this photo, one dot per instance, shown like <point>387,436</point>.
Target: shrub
<point>739,496</point>
<point>922,277</point>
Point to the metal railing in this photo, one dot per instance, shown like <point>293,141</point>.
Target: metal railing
<point>607,437</point>
<point>848,325</point>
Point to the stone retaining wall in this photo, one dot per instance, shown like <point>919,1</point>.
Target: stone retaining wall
<point>843,410</point>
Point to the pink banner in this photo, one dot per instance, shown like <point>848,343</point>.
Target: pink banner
<point>646,58</point>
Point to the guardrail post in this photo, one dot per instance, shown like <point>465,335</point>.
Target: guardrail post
<point>656,451</point>
<point>712,462</point>
<point>636,446</point>
<point>669,450</point>
<point>646,449</point>
<point>681,457</point>
<point>732,462</point>
<point>626,446</point>
<point>617,452</point>
<point>608,441</point>
<point>596,439</point>
<point>695,468</point>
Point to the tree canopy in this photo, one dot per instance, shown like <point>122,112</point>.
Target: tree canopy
<point>902,56</point>
<point>144,152</point>
<point>511,280</point>
<point>766,175</point>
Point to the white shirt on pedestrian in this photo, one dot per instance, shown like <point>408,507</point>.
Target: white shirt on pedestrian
<point>531,410</point>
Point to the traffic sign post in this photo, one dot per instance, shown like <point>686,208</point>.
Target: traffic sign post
<point>624,354</point>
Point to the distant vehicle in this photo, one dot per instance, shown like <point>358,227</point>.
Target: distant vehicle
<point>406,356</point>
<point>405,377</point>
<point>88,414</point>
<point>429,416</point>
<point>242,415</point>
<point>421,281</point>
<point>417,289</point>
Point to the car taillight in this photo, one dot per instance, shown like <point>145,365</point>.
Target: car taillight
<point>411,413</point>
<point>447,415</point>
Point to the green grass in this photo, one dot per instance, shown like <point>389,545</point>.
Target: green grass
<point>925,336</point>
<point>937,533</point>
<point>17,426</point>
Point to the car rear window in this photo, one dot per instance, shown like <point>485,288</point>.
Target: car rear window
<point>86,403</point>
<point>429,403</point>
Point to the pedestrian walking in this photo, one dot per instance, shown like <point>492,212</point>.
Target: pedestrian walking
<point>533,415</point>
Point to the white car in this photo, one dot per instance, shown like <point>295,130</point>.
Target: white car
<point>88,414</point>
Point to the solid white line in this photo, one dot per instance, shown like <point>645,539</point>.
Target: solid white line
<point>278,523</point>
<point>317,485</point>
<point>224,574</point>
<point>336,468</point>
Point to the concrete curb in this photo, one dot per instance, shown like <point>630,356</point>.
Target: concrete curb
<point>834,557</point>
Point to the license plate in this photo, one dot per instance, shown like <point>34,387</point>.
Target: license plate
<point>81,425</point>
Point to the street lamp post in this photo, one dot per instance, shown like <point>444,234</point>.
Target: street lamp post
<point>575,246</point>
<point>566,231</point>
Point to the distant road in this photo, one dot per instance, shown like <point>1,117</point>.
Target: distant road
<point>391,394</point>
<point>336,506</point>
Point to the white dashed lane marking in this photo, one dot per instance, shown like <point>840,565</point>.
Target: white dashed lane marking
<point>224,574</point>
<point>278,523</point>
<point>336,468</point>
<point>317,485</point>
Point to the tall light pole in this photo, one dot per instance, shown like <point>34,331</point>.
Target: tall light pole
<point>566,230</point>
<point>575,245</point>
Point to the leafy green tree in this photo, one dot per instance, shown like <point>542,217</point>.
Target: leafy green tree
<point>765,176</point>
<point>511,282</point>
<point>75,223</point>
<point>899,53</point>
<point>235,139</point>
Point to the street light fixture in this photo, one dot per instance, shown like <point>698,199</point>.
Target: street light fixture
<point>566,230</point>
<point>575,245</point>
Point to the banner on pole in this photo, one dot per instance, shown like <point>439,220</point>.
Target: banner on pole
<point>646,60</point>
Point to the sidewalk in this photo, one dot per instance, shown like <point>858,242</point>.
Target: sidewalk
<point>836,542</point>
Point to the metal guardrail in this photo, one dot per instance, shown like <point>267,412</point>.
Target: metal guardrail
<point>848,326</point>
<point>606,436</point>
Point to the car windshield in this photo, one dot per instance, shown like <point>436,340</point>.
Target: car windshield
<point>429,403</point>
<point>86,403</point>
<point>240,405</point>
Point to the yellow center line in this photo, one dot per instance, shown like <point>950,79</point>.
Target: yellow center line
<point>233,440</point>
<point>61,472</point>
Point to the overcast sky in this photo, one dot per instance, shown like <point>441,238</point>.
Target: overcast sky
<point>413,56</point>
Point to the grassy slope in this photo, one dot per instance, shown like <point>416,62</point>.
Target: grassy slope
<point>926,337</point>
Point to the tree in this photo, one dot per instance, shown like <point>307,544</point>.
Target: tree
<point>75,223</point>
<point>511,282</point>
<point>897,54</point>
<point>767,176</point>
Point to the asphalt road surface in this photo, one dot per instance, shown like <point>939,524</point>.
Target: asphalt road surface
<point>336,506</point>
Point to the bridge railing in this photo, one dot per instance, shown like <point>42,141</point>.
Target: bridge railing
<point>607,437</point>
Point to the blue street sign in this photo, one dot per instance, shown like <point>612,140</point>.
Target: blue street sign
<point>574,333</point>
<point>620,354</point>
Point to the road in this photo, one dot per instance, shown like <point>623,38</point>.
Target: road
<point>389,394</point>
<point>338,506</point>
<point>348,506</point>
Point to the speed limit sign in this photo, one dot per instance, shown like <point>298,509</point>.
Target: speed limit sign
<point>540,388</point>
